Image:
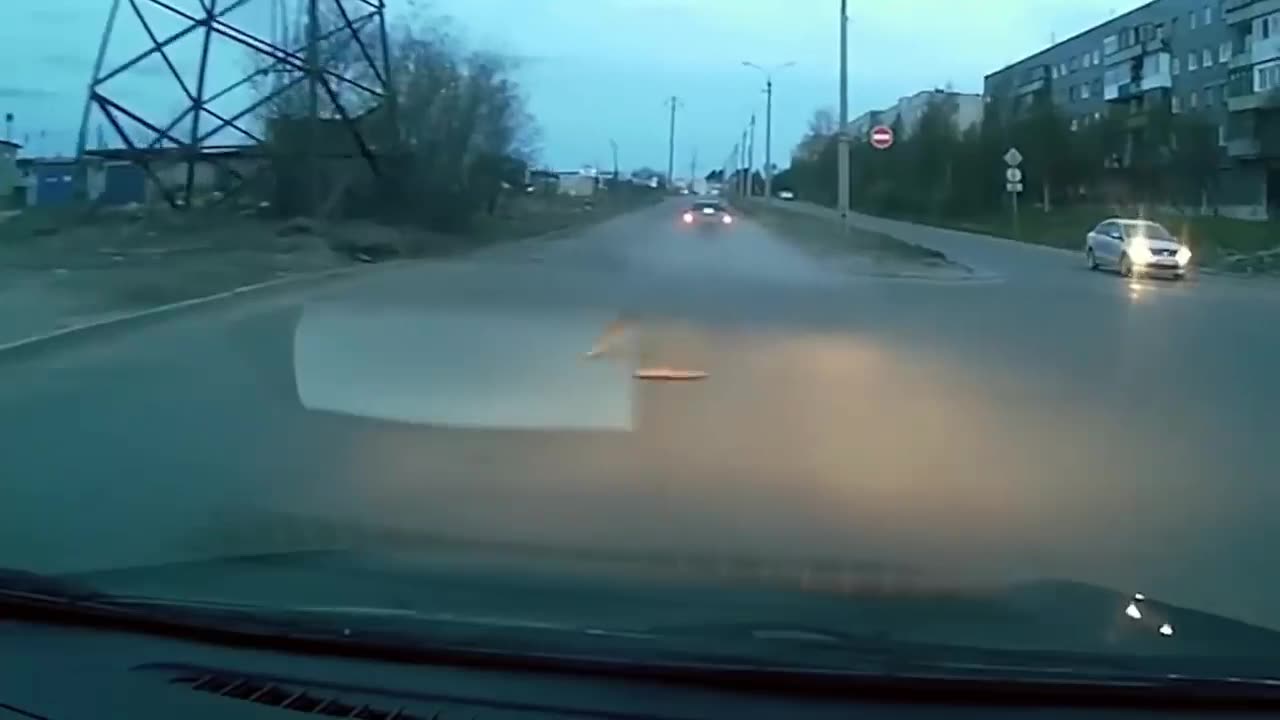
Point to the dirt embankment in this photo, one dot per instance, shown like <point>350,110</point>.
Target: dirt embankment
<point>63,269</point>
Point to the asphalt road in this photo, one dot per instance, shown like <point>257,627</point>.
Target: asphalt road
<point>1047,422</point>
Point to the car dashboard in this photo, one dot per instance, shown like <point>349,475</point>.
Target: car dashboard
<point>66,673</point>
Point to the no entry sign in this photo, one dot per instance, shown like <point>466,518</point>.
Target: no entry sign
<point>881,137</point>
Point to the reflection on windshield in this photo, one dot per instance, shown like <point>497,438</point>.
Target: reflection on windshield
<point>524,283</point>
<point>1147,230</point>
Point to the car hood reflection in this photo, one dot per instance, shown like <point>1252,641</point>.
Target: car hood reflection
<point>490,368</point>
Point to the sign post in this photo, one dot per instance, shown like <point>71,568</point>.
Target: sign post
<point>1013,183</point>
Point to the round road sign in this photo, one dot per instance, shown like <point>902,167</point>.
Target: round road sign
<point>881,137</point>
<point>1013,175</point>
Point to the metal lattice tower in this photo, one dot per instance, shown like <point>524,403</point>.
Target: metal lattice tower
<point>225,65</point>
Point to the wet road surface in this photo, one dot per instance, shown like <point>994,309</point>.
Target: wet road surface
<point>1053,423</point>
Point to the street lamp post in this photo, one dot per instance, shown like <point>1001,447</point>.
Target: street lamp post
<point>768,123</point>
<point>842,142</point>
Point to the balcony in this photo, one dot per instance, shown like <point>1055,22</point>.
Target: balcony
<point>1241,11</point>
<point>1032,86</point>
<point>1244,148</point>
<point>1240,60</point>
<point>1254,101</point>
<point>1123,92</point>
<point>1126,53</point>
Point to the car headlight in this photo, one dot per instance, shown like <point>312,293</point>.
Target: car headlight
<point>1140,253</point>
<point>726,220</point>
<point>1184,255</point>
<point>688,217</point>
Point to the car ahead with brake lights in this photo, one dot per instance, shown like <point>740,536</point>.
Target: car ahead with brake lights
<point>1136,248</point>
<point>707,212</point>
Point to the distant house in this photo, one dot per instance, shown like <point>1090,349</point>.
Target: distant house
<point>578,183</point>
<point>10,177</point>
<point>50,181</point>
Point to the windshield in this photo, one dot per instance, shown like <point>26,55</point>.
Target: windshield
<point>326,311</point>
<point>1148,230</point>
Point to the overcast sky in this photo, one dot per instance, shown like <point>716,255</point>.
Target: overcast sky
<point>596,70</point>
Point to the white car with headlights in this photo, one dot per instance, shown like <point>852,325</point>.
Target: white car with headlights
<point>1136,247</point>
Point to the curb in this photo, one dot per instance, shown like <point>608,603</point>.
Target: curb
<point>130,320</point>
<point>967,273</point>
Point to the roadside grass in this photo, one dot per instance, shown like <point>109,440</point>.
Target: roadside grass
<point>824,237</point>
<point>1212,239</point>
<point>524,217</point>
<point>100,264</point>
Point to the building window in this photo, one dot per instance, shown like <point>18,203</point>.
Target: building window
<point>1160,31</point>
<point>1176,66</point>
<point>1224,51</point>
<point>1262,28</point>
<point>1097,57</point>
<point>1191,19</point>
<point>1266,77</point>
<point>1096,90</point>
<point>1193,62</point>
<point>1193,101</point>
<point>1074,125</point>
<point>1175,104</point>
<point>1084,91</point>
<point>1053,72</point>
<point>1206,57</point>
<point>1075,64</point>
<point>1208,95</point>
<point>1208,14</point>
<point>1084,59</point>
<point>1110,44</point>
<point>1097,114</point>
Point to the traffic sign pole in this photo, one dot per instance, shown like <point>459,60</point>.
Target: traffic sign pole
<point>1013,183</point>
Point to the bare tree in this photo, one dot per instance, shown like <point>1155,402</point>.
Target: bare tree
<point>460,130</point>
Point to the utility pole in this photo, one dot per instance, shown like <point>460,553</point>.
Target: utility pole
<point>313,105</point>
<point>614,147</point>
<point>842,142</point>
<point>768,124</point>
<point>751,157</point>
<point>693,169</point>
<point>768,141</point>
<point>742,157</point>
<point>671,143</point>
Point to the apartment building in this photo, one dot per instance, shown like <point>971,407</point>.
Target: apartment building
<point>1219,58</point>
<point>907,111</point>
